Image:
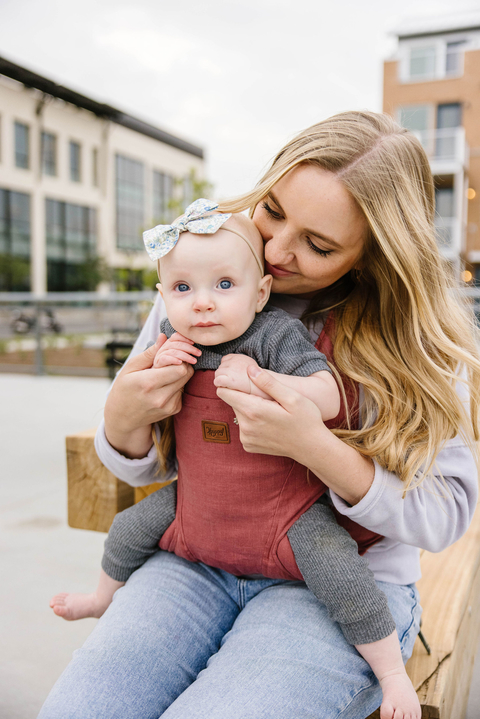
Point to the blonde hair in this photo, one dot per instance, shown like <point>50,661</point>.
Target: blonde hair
<point>400,332</point>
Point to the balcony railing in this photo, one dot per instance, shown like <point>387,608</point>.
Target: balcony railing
<point>446,145</point>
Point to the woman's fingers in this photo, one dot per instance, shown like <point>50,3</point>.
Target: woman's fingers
<point>145,359</point>
<point>285,396</point>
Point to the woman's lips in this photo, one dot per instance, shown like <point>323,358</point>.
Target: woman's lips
<point>277,271</point>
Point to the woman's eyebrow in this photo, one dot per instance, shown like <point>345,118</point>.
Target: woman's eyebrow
<point>329,240</point>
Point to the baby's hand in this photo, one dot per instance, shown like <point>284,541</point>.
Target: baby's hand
<point>176,350</point>
<point>232,374</point>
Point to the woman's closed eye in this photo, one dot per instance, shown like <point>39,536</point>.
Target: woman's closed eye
<point>273,214</point>
<point>318,250</point>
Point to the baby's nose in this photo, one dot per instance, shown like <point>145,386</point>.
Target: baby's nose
<point>203,302</point>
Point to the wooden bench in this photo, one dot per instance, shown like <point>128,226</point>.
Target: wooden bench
<point>449,588</point>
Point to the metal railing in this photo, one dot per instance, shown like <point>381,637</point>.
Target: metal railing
<point>445,145</point>
<point>50,302</point>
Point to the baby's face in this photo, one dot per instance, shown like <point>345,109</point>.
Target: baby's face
<point>212,287</point>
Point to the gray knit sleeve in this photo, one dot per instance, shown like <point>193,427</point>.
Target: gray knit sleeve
<point>136,532</point>
<point>290,349</point>
<point>339,577</point>
<point>283,344</point>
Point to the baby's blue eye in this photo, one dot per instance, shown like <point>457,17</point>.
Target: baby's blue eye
<point>183,287</point>
<point>225,284</point>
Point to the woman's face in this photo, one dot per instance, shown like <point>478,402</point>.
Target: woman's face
<point>313,231</point>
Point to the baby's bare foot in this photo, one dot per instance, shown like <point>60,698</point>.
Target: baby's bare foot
<point>77,606</point>
<point>400,699</point>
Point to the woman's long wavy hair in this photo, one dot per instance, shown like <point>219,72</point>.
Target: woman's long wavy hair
<point>402,331</point>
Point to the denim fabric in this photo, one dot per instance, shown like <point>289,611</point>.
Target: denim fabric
<point>184,640</point>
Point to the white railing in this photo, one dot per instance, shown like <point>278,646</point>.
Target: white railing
<point>446,145</point>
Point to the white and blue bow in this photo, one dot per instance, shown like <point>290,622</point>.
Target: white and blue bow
<point>197,219</point>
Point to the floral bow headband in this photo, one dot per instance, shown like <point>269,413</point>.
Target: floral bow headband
<point>199,220</point>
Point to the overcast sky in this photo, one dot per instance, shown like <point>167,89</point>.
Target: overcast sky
<point>238,78</point>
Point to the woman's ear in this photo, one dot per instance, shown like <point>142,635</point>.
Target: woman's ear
<point>159,288</point>
<point>264,287</point>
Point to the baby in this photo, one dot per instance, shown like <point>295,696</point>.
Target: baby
<point>215,294</point>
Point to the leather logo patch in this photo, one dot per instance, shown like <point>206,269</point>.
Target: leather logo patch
<point>215,432</point>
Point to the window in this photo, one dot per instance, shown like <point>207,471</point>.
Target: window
<point>14,241</point>
<point>453,58</point>
<point>163,186</point>
<point>22,145</point>
<point>71,247</point>
<point>422,62</point>
<point>444,211</point>
<point>130,203</point>
<point>449,117</point>
<point>431,60</point>
<point>48,149</point>
<point>415,117</point>
<point>95,167</point>
<point>74,161</point>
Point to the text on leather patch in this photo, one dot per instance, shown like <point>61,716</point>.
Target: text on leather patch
<point>215,431</point>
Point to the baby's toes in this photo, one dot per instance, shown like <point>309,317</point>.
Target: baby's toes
<point>387,711</point>
<point>58,599</point>
<point>60,610</point>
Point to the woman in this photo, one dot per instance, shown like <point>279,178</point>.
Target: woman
<point>346,213</point>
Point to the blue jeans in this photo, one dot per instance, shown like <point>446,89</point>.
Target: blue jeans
<point>184,640</point>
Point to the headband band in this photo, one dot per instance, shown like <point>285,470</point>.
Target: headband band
<point>198,220</point>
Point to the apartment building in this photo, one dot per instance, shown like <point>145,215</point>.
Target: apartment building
<point>431,86</point>
<point>79,180</point>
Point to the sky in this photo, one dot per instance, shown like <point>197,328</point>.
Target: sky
<point>238,78</point>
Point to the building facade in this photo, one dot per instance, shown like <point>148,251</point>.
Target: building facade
<point>79,182</point>
<point>431,87</point>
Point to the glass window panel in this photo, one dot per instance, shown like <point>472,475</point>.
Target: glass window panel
<point>415,117</point>
<point>48,152</point>
<point>71,245</point>
<point>22,145</point>
<point>14,241</point>
<point>74,161</point>
<point>95,167</point>
<point>449,115</point>
<point>163,190</point>
<point>453,59</point>
<point>130,201</point>
<point>422,61</point>
<point>444,202</point>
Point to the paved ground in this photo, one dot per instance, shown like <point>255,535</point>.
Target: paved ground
<point>40,554</point>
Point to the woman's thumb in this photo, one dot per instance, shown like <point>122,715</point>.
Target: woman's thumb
<point>144,360</point>
<point>269,384</point>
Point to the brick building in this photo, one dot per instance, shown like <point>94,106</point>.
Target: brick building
<point>432,87</point>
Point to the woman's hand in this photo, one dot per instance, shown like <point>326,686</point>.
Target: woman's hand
<point>140,396</point>
<point>292,426</point>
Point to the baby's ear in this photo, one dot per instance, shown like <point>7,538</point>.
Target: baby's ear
<point>159,288</point>
<point>264,287</point>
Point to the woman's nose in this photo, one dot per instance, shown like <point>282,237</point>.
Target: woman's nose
<point>203,302</point>
<point>279,249</point>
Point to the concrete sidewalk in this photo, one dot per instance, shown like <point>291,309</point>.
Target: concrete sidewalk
<point>41,554</point>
